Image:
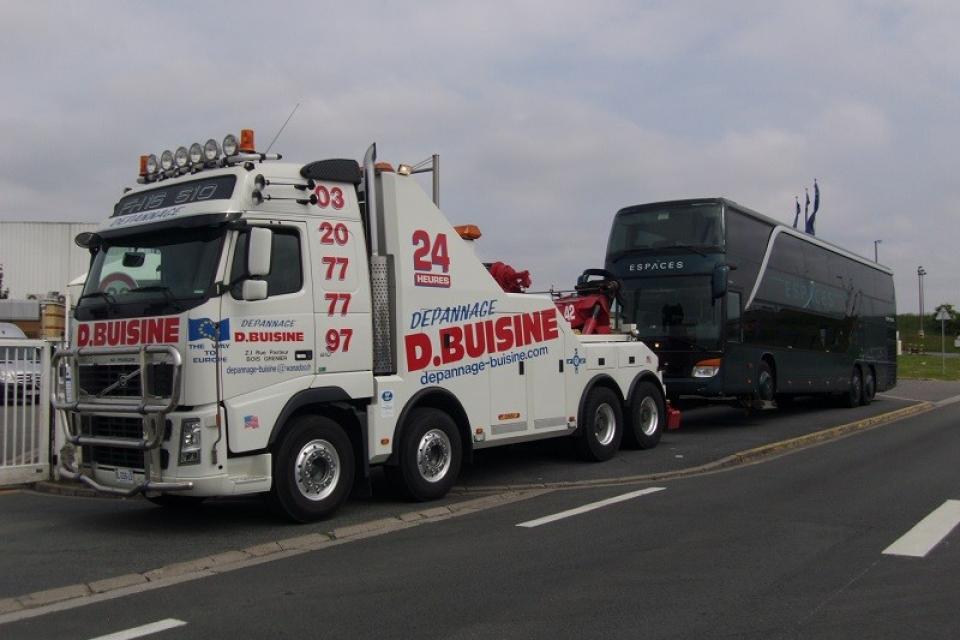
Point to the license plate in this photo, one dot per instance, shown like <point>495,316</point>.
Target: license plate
<point>125,475</point>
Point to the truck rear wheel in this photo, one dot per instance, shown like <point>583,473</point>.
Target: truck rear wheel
<point>430,454</point>
<point>313,469</point>
<point>647,414</point>
<point>601,425</point>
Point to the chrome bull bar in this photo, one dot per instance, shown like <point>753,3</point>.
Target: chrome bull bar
<point>74,402</point>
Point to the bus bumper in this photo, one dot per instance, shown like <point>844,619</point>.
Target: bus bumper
<point>704,387</point>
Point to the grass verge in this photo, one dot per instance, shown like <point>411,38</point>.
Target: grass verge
<point>928,366</point>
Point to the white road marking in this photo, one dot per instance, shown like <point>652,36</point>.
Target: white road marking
<point>927,533</point>
<point>143,630</point>
<point>589,507</point>
<point>946,401</point>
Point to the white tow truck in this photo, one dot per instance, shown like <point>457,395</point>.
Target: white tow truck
<point>249,325</point>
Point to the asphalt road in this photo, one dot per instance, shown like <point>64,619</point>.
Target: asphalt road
<point>792,547</point>
<point>53,541</point>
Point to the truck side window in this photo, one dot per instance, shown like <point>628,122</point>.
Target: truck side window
<point>286,264</point>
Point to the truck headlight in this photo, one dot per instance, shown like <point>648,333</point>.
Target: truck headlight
<point>190,441</point>
<point>706,368</point>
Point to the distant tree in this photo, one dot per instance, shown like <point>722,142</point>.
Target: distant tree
<point>4,293</point>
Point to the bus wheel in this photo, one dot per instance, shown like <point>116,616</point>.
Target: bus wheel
<point>854,396</point>
<point>766,384</point>
<point>601,425</point>
<point>312,469</point>
<point>647,415</point>
<point>430,454</point>
<point>869,386</point>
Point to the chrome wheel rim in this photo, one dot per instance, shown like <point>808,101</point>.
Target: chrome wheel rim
<point>434,455</point>
<point>604,424</point>
<point>649,416</point>
<point>317,470</point>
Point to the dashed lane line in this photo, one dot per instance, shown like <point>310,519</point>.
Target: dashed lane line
<point>143,630</point>
<point>927,533</point>
<point>529,524</point>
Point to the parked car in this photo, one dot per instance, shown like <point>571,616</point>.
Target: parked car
<point>19,367</point>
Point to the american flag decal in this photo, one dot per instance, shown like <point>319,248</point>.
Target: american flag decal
<point>251,422</point>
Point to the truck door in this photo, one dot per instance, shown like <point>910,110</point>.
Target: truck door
<point>267,346</point>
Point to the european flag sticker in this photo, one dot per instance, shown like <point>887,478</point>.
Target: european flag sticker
<point>206,329</point>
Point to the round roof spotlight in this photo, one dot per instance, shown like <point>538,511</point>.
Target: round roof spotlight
<point>196,153</point>
<point>152,165</point>
<point>230,145</point>
<point>166,160</point>
<point>180,157</point>
<point>257,197</point>
<point>211,150</point>
<point>259,183</point>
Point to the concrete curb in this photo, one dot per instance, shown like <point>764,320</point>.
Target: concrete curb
<point>59,598</point>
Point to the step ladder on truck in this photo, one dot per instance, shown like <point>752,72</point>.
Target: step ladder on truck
<point>250,325</point>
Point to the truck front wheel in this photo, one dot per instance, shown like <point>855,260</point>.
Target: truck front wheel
<point>430,454</point>
<point>313,469</point>
<point>601,425</point>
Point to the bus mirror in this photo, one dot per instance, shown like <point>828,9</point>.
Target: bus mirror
<point>718,284</point>
<point>258,252</point>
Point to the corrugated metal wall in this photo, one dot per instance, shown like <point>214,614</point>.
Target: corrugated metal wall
<point>38,257</point>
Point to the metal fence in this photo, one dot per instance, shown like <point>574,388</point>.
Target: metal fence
<point>24,411</point>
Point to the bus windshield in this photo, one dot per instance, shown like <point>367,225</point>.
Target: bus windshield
<point>651,228</point>
<point>677,310</point>
<point>156,273</point>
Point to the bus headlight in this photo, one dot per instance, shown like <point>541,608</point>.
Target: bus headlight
<point>190,441</point>
<point>706,368</point>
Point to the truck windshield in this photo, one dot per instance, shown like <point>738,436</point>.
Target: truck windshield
<point>152,273</point>
<point>675,310</point>
<point>663,227</point>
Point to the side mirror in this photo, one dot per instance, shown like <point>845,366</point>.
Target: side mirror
<point>718,283</point>
<point>258,253</point>
<point>254,290</point>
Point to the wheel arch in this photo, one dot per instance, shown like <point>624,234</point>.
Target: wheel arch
<point>334,403</point>
<point>599,380</point>
<point>434,398</point>
<point>645,376</point>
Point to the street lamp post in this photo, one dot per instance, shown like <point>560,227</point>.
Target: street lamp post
<point>920,273</point>
<point>875,254</point>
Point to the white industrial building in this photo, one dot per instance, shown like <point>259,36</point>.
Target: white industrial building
<point>39,257</point>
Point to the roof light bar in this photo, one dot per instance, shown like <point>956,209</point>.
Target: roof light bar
<point>230,145</point>
<point>180,157</point>
<point>211,150</point>
<point>196,153</point>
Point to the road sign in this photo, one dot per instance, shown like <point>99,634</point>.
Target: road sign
<point>943,315</point>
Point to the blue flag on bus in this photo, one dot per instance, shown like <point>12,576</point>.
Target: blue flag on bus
<point>816,207</point>
<point>796,216</point>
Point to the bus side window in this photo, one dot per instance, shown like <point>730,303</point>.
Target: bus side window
<point>733,316</point>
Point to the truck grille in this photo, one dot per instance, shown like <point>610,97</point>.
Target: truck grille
<point>95,378</point>
<point>114,457</point>
<point>118,427</point>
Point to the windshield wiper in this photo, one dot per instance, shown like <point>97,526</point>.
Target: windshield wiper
<point>111,301</point>
<point>159,288</point>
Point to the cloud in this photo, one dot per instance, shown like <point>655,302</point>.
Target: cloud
<point>548,117</point>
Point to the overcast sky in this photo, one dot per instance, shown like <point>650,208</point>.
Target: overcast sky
<point>548,116</point>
